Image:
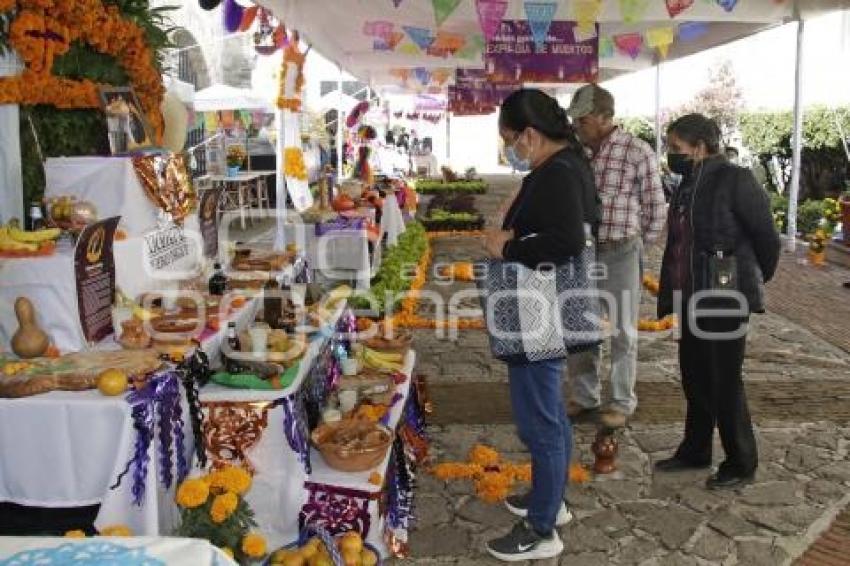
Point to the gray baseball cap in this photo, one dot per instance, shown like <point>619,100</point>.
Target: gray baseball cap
<point>591,99</point>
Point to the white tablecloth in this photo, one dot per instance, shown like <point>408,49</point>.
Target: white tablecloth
<point>132,551</point>
<point>65,449</point>
<point>49,282</point>
<point>110,183</point>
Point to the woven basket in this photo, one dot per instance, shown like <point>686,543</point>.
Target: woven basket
<point>348,459</point>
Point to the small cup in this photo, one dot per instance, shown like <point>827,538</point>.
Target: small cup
<point>349,366</point>
<point>347,400</point>
<point>259,341</point>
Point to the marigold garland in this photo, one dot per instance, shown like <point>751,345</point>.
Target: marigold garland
<point>44,29</point>
<point>407,317</point>
<point>254,545</point>
<point>651,284</point>
<point>493,478</point>
<point>293,163</point>
<point>649,325</point>
<point>291,56</point>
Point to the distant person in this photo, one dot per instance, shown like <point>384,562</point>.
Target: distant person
<point>633,211</point>
<point>722,244</point>
<point>389,139</point>
<point>732,154</point>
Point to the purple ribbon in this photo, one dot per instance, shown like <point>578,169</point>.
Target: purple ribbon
<point>399,489</point>
<point>295,428</point>
<point>340,223</point>
<point>159,398</point>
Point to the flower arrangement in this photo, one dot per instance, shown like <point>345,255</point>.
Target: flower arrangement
<point>44,29</point>
<point>213,507</point>
<point>236,155</point>
<point>293,164</point>
<point>817,247</point>
<point>492,477</point>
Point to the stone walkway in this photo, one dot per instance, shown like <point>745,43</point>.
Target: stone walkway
<point>798,381</point>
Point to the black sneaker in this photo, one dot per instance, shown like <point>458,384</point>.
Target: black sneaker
<point>518,505</point>
<point>523,543</point>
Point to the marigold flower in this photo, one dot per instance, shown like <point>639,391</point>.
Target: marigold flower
<point>76,533</point>
<point>192,493</point>
<point>254,545</point>
<point>223,507</point>
<point>116,531</point>
<point>232,479</point>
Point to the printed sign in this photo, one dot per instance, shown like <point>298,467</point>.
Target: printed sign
<point>164,249</point>
<point>208,220</point>
<point>94,270</point>
<point>512,56</point>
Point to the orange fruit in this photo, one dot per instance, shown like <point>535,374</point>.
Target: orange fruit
<point>112,382</point>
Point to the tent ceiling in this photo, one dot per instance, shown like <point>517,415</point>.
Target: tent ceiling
<point>334,27</point>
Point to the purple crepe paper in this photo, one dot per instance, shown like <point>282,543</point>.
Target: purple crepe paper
<point>158,397</point>
<point>340,223</point>
<point>232,15</point>
<point>295,429</point>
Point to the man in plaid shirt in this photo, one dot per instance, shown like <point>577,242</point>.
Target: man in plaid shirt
<point>633,211</point>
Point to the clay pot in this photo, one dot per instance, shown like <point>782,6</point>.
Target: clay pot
<point>133,335</point>
<point>605,448</point>
<point>29,341</point>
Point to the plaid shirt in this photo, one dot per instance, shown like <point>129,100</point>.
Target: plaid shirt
<point>630,189</point>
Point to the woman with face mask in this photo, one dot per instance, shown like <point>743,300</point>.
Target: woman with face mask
<point>547,223</point>
<point>722,246</point>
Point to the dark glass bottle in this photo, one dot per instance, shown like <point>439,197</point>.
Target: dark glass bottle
<point>218,281</point>
<point>36,220</point>
<point>272,304</point>
<point>234,347</point>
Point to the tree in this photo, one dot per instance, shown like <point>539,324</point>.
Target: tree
<point>640,128</point>
<point>824,162</point>
<point>720,100</point>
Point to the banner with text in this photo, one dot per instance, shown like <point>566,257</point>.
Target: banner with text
<point>564,57</point>
<point>473,94</point>
<point>94,270</point>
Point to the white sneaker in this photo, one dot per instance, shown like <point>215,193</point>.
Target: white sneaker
<point>518,505</point>
<point>523,543</point>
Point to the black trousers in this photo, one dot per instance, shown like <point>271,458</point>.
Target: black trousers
<point>714,389</point>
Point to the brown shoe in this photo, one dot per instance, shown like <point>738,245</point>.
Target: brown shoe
<point>613,419</point>
<point>576,411</point>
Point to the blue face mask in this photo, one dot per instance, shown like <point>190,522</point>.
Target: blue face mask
<point>519,164</point>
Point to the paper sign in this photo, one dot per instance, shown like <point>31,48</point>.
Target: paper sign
<point>94,270</point>
<point>208,220</point>
<point>513,57</point>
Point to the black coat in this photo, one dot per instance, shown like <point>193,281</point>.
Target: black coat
<point>729,211</point>
<point>549,213</point>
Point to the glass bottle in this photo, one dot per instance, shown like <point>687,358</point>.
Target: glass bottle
<point>218,281</point>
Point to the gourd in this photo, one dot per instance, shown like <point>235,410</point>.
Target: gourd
<point>29,341</point>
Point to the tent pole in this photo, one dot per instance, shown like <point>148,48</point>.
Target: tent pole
<point>658,106</point>
<point>448,139</point>
<point>797,138</point>
<point>339,123</point>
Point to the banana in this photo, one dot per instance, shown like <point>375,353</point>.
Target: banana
<point>381,360</point>
<point>142,314</point>
<point>36,237</point>
<point>8,244</point>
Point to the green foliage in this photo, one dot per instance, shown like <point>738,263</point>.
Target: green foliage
<point>431,186</point>
<point>197,523</point>
<point>809,215</point>
<point>779,207</point>
<point>640,128</point>
<point>442,215</point>
<point>82,132</point>
<point>394,274</point>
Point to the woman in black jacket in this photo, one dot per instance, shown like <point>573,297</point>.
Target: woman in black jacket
<point>722,247</point>
<point>545,224</point>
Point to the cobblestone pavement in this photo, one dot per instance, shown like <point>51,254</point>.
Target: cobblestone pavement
<point>798,381</point>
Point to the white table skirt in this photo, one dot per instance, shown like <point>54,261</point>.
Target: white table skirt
<point>157,551</point>
<point>110,183</point>
<point>65,449</point>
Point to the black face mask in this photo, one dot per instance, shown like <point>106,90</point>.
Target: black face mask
<point>209,4</point>
<point>680,163</point>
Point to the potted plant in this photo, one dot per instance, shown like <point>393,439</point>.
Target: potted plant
<point>844,204</point>
<point>236,156</point>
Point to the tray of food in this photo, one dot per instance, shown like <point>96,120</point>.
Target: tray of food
<point>72,372</point>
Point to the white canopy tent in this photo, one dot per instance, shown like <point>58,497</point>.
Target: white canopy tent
<point>336,27</point>
<point>224,97</point>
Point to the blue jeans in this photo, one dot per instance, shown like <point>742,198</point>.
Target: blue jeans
<point>545,429</point>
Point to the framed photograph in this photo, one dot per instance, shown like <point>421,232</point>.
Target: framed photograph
<point>128,127</point>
